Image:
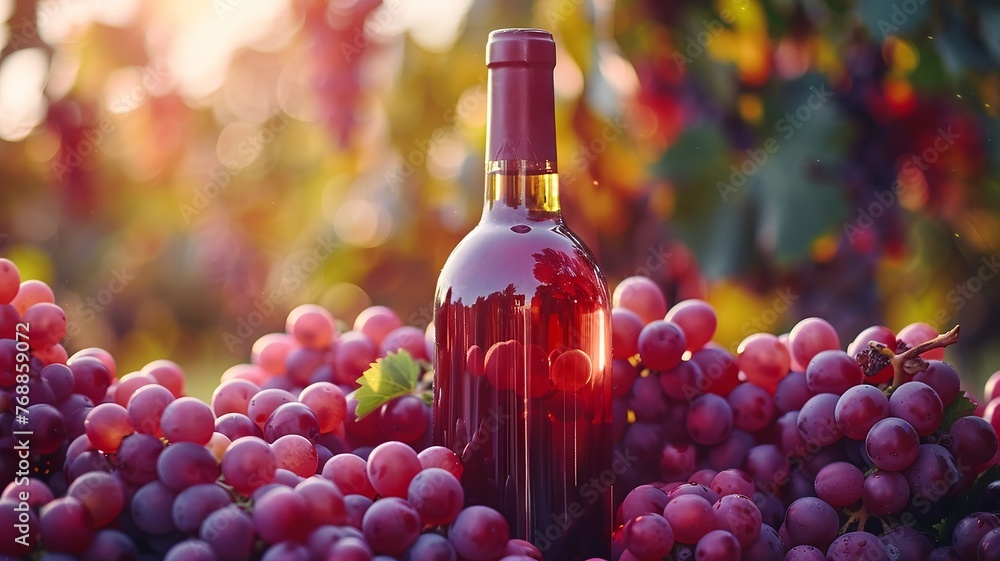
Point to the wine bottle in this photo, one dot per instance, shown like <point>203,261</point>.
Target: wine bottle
<point>523,330</point>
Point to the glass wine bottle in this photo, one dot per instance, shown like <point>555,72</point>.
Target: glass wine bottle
<point>522,330</point>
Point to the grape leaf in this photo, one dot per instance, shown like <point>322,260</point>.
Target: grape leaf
<point>961,407</point>
<point>389,377</point>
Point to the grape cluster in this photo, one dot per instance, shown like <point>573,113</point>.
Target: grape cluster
<point>774,451</point>
<point>786,448</point>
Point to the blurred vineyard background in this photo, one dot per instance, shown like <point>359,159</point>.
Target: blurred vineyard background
<point>184,173</point>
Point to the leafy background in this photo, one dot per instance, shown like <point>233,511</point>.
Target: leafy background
<point>184,173</point>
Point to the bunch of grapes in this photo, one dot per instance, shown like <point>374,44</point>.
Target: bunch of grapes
<point>789,448</point>
<point>778,450</point>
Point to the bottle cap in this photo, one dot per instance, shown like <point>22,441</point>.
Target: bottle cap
<point>522,46</point>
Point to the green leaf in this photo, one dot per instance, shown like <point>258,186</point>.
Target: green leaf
<point>391,376</point>
<point>961,407</point>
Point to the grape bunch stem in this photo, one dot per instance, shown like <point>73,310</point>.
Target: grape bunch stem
<point>908,362</point>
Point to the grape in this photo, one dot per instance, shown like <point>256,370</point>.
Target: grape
<point>301,365</point>
<point>406,338</point>
<point>146,406</point>
<point>720,372</point>
<point>763,359</point>
<point>32,292</point>
<point>709,420</point>
<point>249,372</point>
<point>48,324</point>
<point>184,464</point>
<point>989,546</point>
<point>263,404</point>
<point>441,457</point>
<point>521,548</point>
<point>752,406</point>
<point>623,375</point>
<point>811,336</point>
<point>405,418</point>
<point>693,489</point>
<point>47,427</point>
<point>128,385</point>
<point>661,345</point>
<point>292,418</point>
<point>325,501</point>
<point>690,517</point>
<point>642,296</point>
<point>859,408</point>
<point>932,474</point>
<point>312,326</point>
<point>234,425</point>
<point>703,477</point>
<point>281,514</point>
<point>677,460</point>
<point>391,468</point>
<point>391,525</point>
<point>854,546</point>
<point>229,531</point>
<point>879,334</point>
<point>350,549</point>
<point>151,508</point>
<point>917,333</point>
<point>350,474</point>
<point>911,543</point>
<point>918,404</point>
<point>53,354</point>
<point>892,444</point>
<point>732,482</point>
<point>190,550</point>
<point>137,458</point>
<point>696,319</point>
<point>839,484</point>
<point>355,353</point>
<point>479,533</point>
<point>649,536</point>
<point>810,521</point>
<point>296,454</point>
<point>193,505</point>
<point>943,379</point>
<point>682,382</point>
<point>187,419</point>
<point>792,392</point>
<point>38,492</point>
<point>647,400</point>
<point>60,380</point>
<point>249,463</point>
<point>804,553</point>
<point>14,523</point>
<point>10,280</point>
<point>644,499</point>
<point>233,397</point>
<point>106,425</point>
<point>738,515</point>
<point>270,351</point>
<point>764,463</point>
<point>436,495</point>
<point>571,371</point>
<point>718,545</point>
<point>110,544</point>
<point>832,371</point>
<point>91,378</point>
<point>625,328</point>
<point>101,494</point>
<point>355,507</point>
<point>168,374</point>
<point>376,322</point>
<point>885,493</point>
<point>767,546</point>
<point>970,531</point>
<point>817,422</point>
<point>973,441</point>
<point>943,554</point>
<point>286,551</point>
<point>327,402</point>
<point>65,526</point>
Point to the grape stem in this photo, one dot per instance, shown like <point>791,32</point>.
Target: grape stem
<point>908,362</point>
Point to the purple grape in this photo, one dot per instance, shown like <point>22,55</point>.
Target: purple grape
<point>644,499</point>
<point>738,515</point>
<point>989,546</point>
<point>817,420</point>
<point>281,514</point>
<point>230,533</point>
<point>839,484</point>
<point>647,400</point>
<point>146,407</point>
<point>932,475</point>
<point>191,550</point>
<point>661,344</point>
<point>187,419</point>
<point>943,378</point>
<point>918,404</point>
<point>65,526</point>
<point>350,549</point>
<point>732,482</point>
<point>810,521</point>
<point>973,441</point>
<point>436,495</point>
<point>431,547</point>
<point>137,458</point>
<point>292,418</point>
<point>151,508</point>
<point>236,425</point>
<point>710,420</point>
<point>683,381</point>
<point>184,464</point>
<point>391,468</point>
<point>479,534</point>
<point>792,392</point>
<point>859,408</point>
<point>767,546</point>
<point>767,466</point>
<point>718,545</point>
<point>111,544</point>
<point>649,536</point>
<point>885,493</point>
<point>355,507</point>
<point>752,406</point>
<point>623,375</point>
<point>804,553</point>
<point>15,523</point>
<point>102,494</point>
<point>731,451</point>
<point>855,546</point>
<point>194,504</point>
<point>677,461</point>
<point>248,463</point>
<point>944,553</point>
<point>833,371</point>
<point>892,444</point>
<point>912,544</point>
<point>690,517</point>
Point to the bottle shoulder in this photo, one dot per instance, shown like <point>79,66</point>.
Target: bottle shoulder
<point>523,257</point>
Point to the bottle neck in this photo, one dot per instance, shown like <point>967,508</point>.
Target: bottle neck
<point>519,190</point>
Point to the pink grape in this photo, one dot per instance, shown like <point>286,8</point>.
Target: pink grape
<point>839,484</point>
<point>292,418</point>
<point>479,533</point>
<point>101,494</point>
<point>355,354</point>
<point>436,495</point>
<point>625,328</point>
<point>879,334</point>
<point>106,425</point>
<point>405,338</point>
<point>32,292</point>
<point>66,526</point>
<point>696,319</point>
<point>376,322</point>
<point>324,499</point>
<point>391,468</point>
<point>327,402</point>
<point>809,337</point>
<point>312,326</point>
<point>642,296</point>
<point>261,406</point>
<point>187,419</point>
<point>859,408</point>
<point>738,515</point>
<point>48,324</point>
<point>168,374</point>
<point>752,406</point>
<point>248,463</point>
<point>764,359</point>
<point>649,536</point>
<point>129,384</point>
<point>270,351</point>
<point>350,474</point>
<point>919,332</point>
<point>690,517</point>
<point>296,454</point>
<point>661,345</point>
<point>441,457</point>
<point>146,407</point>
<point>281,514</point>
<point>233,397</point>
<point>944,379</point>
<point>918,404</point>
<point>10,280</point>
<point>718,545</point>
<point>100,354</point>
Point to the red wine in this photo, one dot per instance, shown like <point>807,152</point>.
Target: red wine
<point>522,321</point>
